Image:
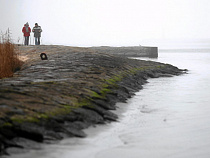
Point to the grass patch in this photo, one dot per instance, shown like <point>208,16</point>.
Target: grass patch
<point>21,119</point>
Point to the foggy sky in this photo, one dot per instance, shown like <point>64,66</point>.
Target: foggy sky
<point>110,22</point>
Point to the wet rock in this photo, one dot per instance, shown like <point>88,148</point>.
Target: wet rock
<point>88,116</point>
<point>104,104</point>
<point>76,132</point>
<point>2,145</point>
<point>110,116</point>
<point>164,75</point>
<point>112,99</point>
<point>29,131</point>
<point>107,115</point>
<point>8,133</point>
<point>51,136</point>
<point>79,125</point>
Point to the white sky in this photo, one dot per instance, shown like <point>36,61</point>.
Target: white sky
<point>107,22</point>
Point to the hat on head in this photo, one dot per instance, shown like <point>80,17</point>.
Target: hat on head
<point>27,24</point>
<point>36,23</point>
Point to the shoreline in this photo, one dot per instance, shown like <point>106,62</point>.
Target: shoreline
<point>74,89</point>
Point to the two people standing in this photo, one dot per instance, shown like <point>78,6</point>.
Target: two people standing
<point>36,30</point>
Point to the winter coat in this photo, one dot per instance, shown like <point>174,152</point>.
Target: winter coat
<point>37,31</point>
<point>26,32</point>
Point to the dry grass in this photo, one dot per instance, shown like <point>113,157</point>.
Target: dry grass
<point>9,62</point>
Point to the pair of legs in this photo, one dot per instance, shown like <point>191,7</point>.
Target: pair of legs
<point>37,40</point>
<point>26,40</point>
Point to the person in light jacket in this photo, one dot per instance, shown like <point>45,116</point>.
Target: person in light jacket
<point>37,33</point>
<point>26,33</point>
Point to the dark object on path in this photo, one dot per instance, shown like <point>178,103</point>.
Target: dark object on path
<point>43,56</point>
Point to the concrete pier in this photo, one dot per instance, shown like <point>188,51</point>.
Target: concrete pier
<point>132,51</point>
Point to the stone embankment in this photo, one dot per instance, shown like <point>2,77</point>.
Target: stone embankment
<point>75,88</point>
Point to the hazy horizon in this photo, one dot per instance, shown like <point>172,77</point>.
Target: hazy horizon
<point>109,23</point>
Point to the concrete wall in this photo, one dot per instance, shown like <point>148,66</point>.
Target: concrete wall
<point>135,51</point>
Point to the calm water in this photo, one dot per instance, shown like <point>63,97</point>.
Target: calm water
<point>170,117</point>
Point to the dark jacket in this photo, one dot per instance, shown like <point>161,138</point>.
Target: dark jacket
<point>37,31</point>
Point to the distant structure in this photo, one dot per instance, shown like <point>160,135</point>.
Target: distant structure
<point>132,51</point>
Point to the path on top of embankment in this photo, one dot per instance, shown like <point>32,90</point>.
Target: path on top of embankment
<point>75,88</point>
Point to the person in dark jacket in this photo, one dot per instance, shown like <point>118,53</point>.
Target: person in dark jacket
<point>26,33</point>
<point>37,33</point>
